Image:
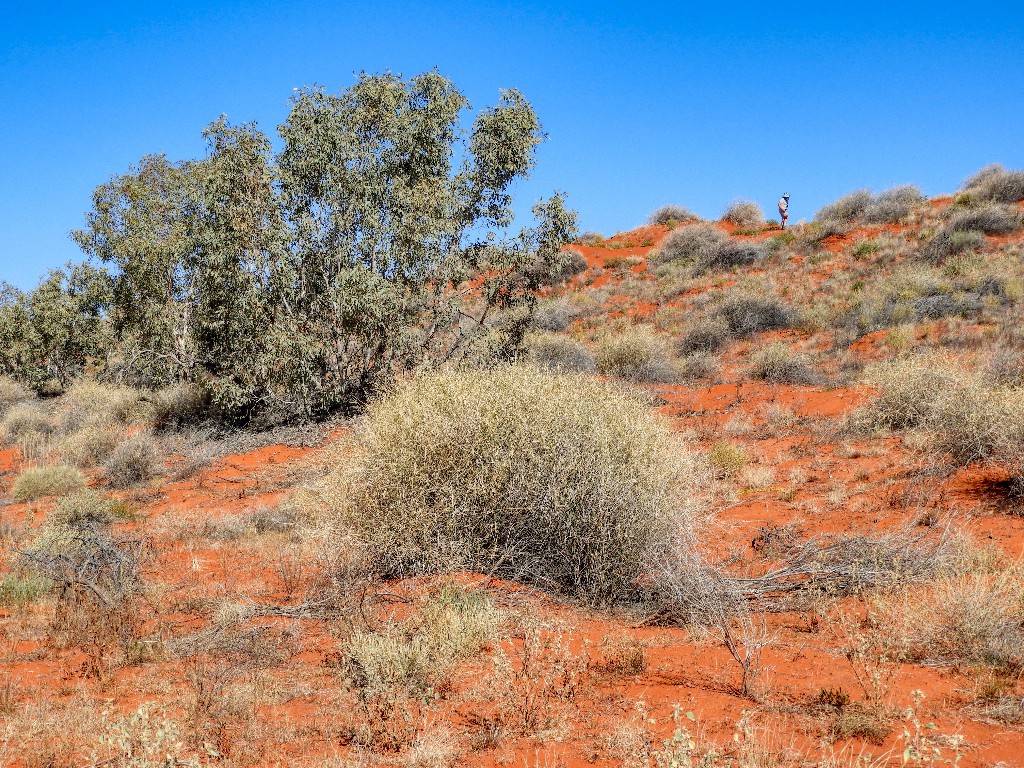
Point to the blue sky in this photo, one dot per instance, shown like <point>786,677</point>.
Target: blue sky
<point>644,103</point>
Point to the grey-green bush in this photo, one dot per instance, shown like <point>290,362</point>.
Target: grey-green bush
<point>694,243</point>
<point>746,314</point>
<point>671,214</point>
<point>778,364</point>
<point>133,462</point>
<point>709,334</point>
<point>946,243</point>
<point>559,481</point>
<point>37,482</point>
<point>638,354</point>
<point>996,184</point>
<point>561,353</point>
<point>744,213</point>
<point>991,218</point>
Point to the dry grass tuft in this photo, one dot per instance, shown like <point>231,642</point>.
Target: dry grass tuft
<point>638,354</point>
<point>37,482</point>
<point>744,213</point>
<point>133,462</point>
<point>779,364</point>
<point>670,215</point>
<point>996,184</point>
<point>559,481</point>
<point>560,353</point>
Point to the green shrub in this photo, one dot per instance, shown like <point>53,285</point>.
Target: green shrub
<point>747,313</point>
<point>560,353</point>
<point>638,354</point>
<point>779,364</point>
<point>133,462</point>
<point>558,481</point>
<point>36,482</point>
<point>670,215</point>
<point>996,184</point>
<point>744,213</point>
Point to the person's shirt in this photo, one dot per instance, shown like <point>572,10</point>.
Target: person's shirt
<point>783,204</point>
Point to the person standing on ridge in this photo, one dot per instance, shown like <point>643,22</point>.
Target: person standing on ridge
<point>784,209</point>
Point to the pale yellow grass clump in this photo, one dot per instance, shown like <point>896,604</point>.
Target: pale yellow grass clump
<point>37,482</point>
<point>560,481</point>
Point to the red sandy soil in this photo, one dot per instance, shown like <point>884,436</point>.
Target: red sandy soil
<point>820,483</point>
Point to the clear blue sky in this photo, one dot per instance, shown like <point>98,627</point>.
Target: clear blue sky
<point>645,103</point>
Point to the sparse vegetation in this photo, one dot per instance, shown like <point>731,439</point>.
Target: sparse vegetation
<point>560,353</point>
<point>778,364</point>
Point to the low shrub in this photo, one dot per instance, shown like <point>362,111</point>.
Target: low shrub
<point>746,314</point>
<point>991,218</point>
<point>744,213</point>
<point>732,254</point>
<point>907,390</point>
<point>670,215</point>
<point>707,335</point>
<point>590,238</point>
<point>699,365</point>
<point>994,183</point>
<point>847,209</point>
<point>559,481</point>
<point>37,482</point>
<point>25,419</point>
<point>180,404</point>
<point>90,445</point>
<point>730,459</point>
<point>694,243</point>
<point>893,205</point>
<point>946,243</point>
<point>571,264</point>
<point>638,354</point>
<point>560,353</point>
<point>133,462</point>
<point>778,364</point>
<point>18,591</point>
<point>88,402</point>
<point>555,314</point>
<point>11,393</point>
<point>970,618</point>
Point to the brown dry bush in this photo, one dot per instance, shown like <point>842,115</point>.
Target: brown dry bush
<point>637,354</point>
<point>560,481</point>
<point>744,213</point>
<point>26,422</point>
<point>91,402</point>
<point>555,314</point>
<point>95,575</point>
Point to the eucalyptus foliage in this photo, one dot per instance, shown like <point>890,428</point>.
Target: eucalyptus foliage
<point>378,239</point>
